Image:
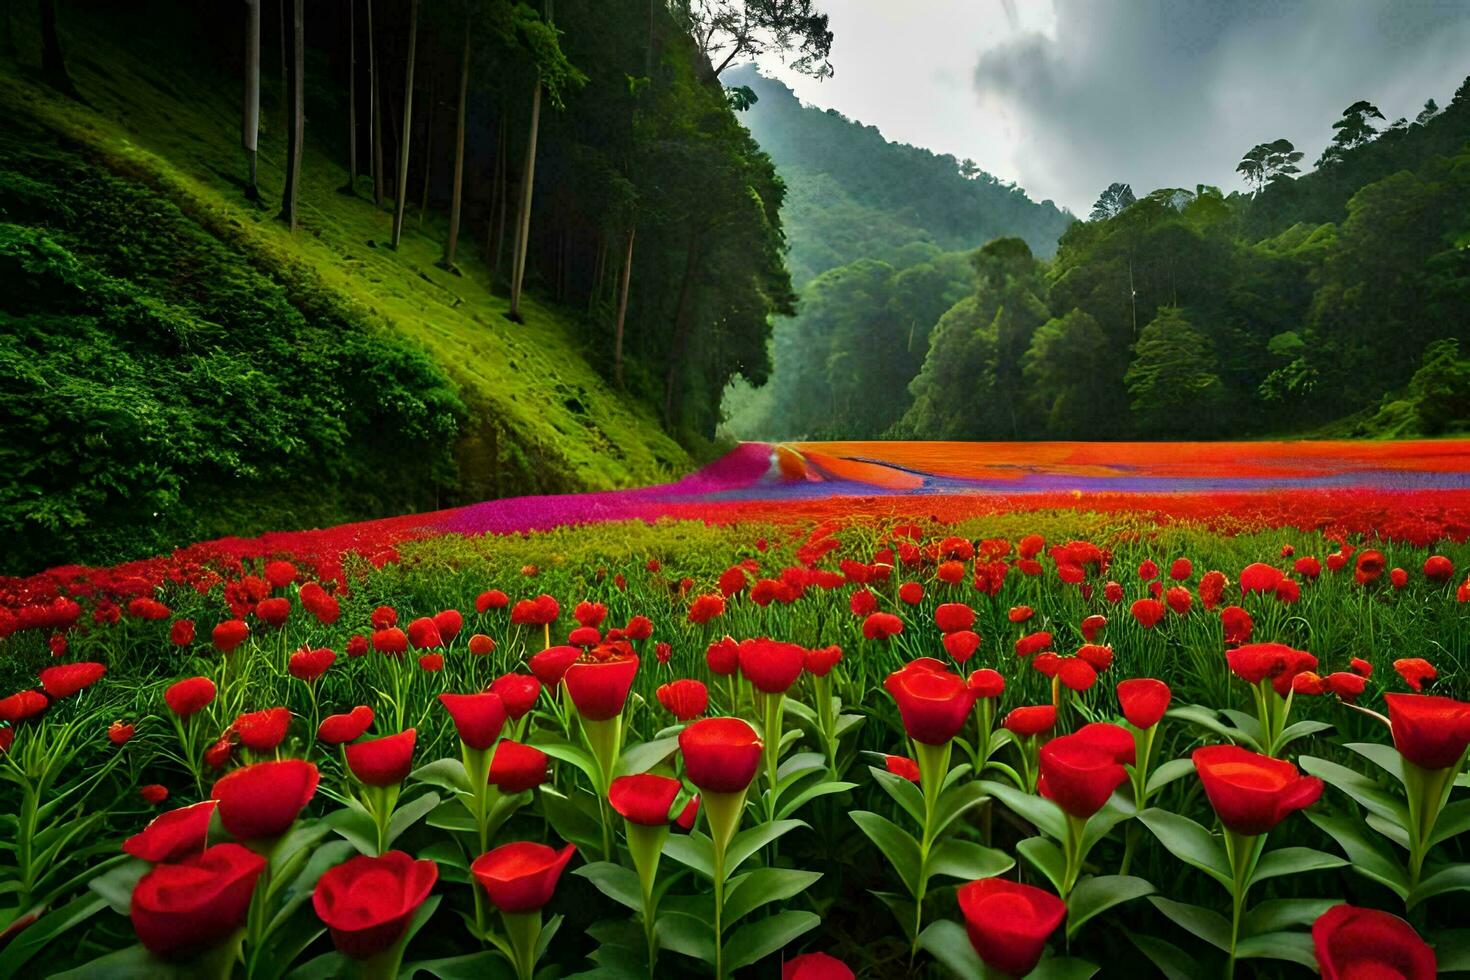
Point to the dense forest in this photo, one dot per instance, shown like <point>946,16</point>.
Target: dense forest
<point>1335,302</point>
<point>270,264</point>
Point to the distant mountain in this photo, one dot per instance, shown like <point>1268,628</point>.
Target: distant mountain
<point>854,195</point>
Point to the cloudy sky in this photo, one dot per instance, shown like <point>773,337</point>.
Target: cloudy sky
<point>1066,96</point>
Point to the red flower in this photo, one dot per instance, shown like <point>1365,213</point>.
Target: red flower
<point>1431,732</point>
<point>902,765</point>
<point>153,794</point>
<point>723,657</point>
<point>1113,592</point>
<point>1047,663</point>
<point>706,607</point>
<point>1438,568</point>
<point>217,756</point>
<point>961,645</point>
<point>1259,577</point>
<point>953,617</point>
<point>1009,923</point>
<point>880,626</point>
<point>1077,674</point>
<point>1353,943</point>
<point>540,611</point>
<point>1369,566</point>
<point>1307,567</point>
<point>1361,667</point>
<point>67,679</point>
<point>1033,643</point>
<point>684,699</point>
<point>448,623</point>
<point>1336,562</point>
<point>815,966</point>
<point>186,697</point>
<point>309,665</point>
<point>228,636</point>
<point>1148,612</point>
<point>367,902</point>
<point>179,910</point>
<point>478,718</point>
<point>150,609</point>
<point>1237,624</point>
<point>1181,569</point>
<point>986,683</point>
<point>819,662</point>
<point>1019,614</point>
<point>357,645</point>
<point>173,836</point>
<point>771,666</point>
<point>1179,599</point>
<point>481,645</point>
<point>431,662</point>
<point>493,599</point>
<point>263,800</point>
<point>522,876</point>
<point>516,768</point>
<point>1346,685</point>
<point>384,617</point>
<point>1030,720</point>
<point>1276,662</point>
<point>599,689</point>
<point>1252,793</point>
<point>720,754</point>
<point>517,692</point>
<point>119,733</point>
<point>1415,671</point>
<point>1212,588</point>
<point>1092,627</point>
<point>863,603</point>
<point>273,611</point>
<point>280,574</point>
<point>1288,592</point>
<point>685,820</point>
<point>382,761</point>
<point>390,641</point>
<point>551,664</point>
<point>1307,683</point>
<point>181,633</point>
<point>732,581</point>
<point>644,799</point>
<point>1148,570</point>
<point>1100,657</point>
<point>337,729</point>
<point>1079,776</point>
<point>1144,701</point>
<point>1115,740</point>
<point>262,731</point>
<point>423,634</point>
<point>911,593</point>
<point>933,704</point>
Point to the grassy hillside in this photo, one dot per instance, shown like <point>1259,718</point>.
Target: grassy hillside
<point>140,188</point>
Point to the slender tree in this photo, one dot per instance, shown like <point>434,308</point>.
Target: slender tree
<point>250,117</point>
<point>296,106</point>
<point>523,212</point>
<point>428,153</point>
<point>624,280</point>
<point>456,195</point>
<point>375,110</point>
<point>351,187</point>
<point>401,187</point>
<point>53,64</point>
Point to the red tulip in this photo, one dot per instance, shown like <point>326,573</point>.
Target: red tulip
<point>815,966</point>
<point>684,699</point>
<point>1438,568</point>
<point>181,633</point>
<point>264,799</point>
<point>723,657</point>
<point>228,636</point>
<point>309,665</point>
<point>1431,732</point>
<point>584,636</point>
<point>986,683</point>
<point>357,645</point>
<point>1307,567</point>
<point>599,689</point>
<point>493,599</point>
<point>189,696</point>
<point>390,641</point>
<point>644,799</point>
<point>771,666</point>
<point>262,731</point>
<point>706,607</point>
<point>880,626</point>
<point>517,693</point>
<point>481,645</point>
<point>478,718</point>
<point>67,679</point>
<point>382,761</point>
<point>423,634</point>
<point>551,664</point>
<point>1115,740</point>
<point>819,662</point>
<point>1009,923</point>
<point>1365,944</point>
<point>1077,674</point>
<point>639,628</point>
<point>516,768</point>
<point>1144,701</point>
<point>952,617</point>
<point>911,593</point>
<point>901,765</point>
<point>367,902</point>
<point>1113,592</point>
<point>1398,578</point>
<point>273,611</point>
<point>338,729</point>
<point>522,876</point>
<point>1148,612</point>
<point>448,623</point>
<point>1181,569</point>
<point>384,617</point>
<point>1346,685</point>
<point>180,910</point>
<point>1032,644</point>
<point>1276,662</point>
<point>1252,793</point>
<point>431,662</point>
<point>173,836</point>
<point>1415,671</point>
<point>153,794</point>
<point>1030,720</point>
<point>1079,776</point>
<point>1369,566</point>
<point>933,705</point>
<point>119,733</point>
<point>961,645</point>
<point>1092,627</point>
<point>1259,577</point>
<point>720,754</point>
<point>1047,663</point>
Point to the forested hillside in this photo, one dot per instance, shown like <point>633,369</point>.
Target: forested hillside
<point>1331,302</point>
<point>878,233</point>
<point>209,327</point>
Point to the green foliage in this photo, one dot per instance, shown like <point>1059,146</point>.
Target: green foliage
<point>1173,375</point>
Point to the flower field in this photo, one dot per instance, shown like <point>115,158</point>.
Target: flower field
<point>810,712</point>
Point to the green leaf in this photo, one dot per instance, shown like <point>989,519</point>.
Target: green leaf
<point>452,815</point>
<point>754,941</point>
<point>482,965</point>
<point>949,943</point>
<point>1093,896</point>
<point>1173,962</point>
<point>444,773</point>
<point>571,821</point>
<point>1043,814</point>
<point>1189,842</point>
<point>1209,926</point>
<point>765,885</point>
<point>1101,823</point>
<point>130,963</point>
<point>1299,730</point>
<point>1045,857</point>
<point>692,851</point>
<point>322,859</point>
<point>406,815</point>
<point>39,934</point>
<point>955,801</point>
<point>1294,947</point>
<point>615,881</point>
<point>903,909</point>
<point>824,787</point>
<point>1453,820</point>
<point>1209,719</point>
<point>644,756</point>
<point>747,842</point>
<point>967,860</point>
<point>894,843</point>
<point>685,934</point>
<point>1282,913</point>
<point>1063,968</point>
<point>1455,878</point>
<point>1451,950</point>
<point>1357,786</point>
<point>904,793</point>
<point>1385,757</point>
<point>1293,860</point>
<point>116,885</point>
<point>356,826</point>
<point>573,754</point>
<point>1168,773</point>
<point>1364,855</point>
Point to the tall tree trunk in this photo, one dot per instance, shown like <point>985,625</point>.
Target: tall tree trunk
<point>681,330</point>
<point>375,110</point>
<point>599,268</point>
<point>296,124</point>
<point>498,205</point>
<point>428,149</point>
<point>351,96</point>
<point>402,180</point>
<point>285,32</point>
<point>456,197</point>
<point>53,65</point>
<point>626,278</point>
<point>523,215</point>
<point>250,117</point>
